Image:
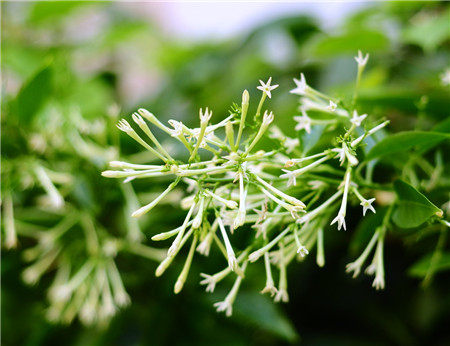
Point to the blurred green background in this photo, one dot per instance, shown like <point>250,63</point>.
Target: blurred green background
<point>70,69</point>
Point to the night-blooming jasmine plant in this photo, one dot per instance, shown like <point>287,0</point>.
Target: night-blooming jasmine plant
<point>237,180</point>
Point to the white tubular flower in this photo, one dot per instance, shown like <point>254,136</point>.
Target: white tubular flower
<point>229,203</point>
<point>370,132</point>
<point>367,204</point>
<point>320,257</point>
<point>187,265</point>
<point>177,128</point>
<point>267,119</point>
<point>205,117</point>
<point>176,245</point>
<point>240,218</point>
<point>227,304</point>
<point>292,162</point>
<point>331,107</point>
<point>291,175</point>
<point>289,199</point>
<point>343,153</point>
<point>303,251</point>
<point>266,88</point>
<point>362,61</point>
<point>340,219</point>
<point>145,209</point>
<point>210,281</point>
<point>355,266</point>
<point>124,126</point>
<point>370,270</point>
<point>301,86</point>
<point>303,122</point>
<point>205,245</point>
<point>255,255</point>
<point>232,262</point>
<point>357,120</point>
<point>293,209</point>
<point>199,217</point>
<point>270,285</point>
<point>378,282</point>
<point>282,294</point>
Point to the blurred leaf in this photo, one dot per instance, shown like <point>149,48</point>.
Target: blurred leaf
<point>428,30</point>
<point>34,94</point>
<point>413,208</point>
<point>421,267</point>
<point>260,311</point>
<point>443,126</point>
<point>350,43</point>
<point>404,141</point>
<point>45,11</point>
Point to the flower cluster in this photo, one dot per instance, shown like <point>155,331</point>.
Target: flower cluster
<point>285,194</point>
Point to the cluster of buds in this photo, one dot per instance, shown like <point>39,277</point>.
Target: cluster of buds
<point>284,193</point>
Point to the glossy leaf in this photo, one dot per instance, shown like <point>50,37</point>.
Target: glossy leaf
<point>413,207</point>
<point>404,141</point>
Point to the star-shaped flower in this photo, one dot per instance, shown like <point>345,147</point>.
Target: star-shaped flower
<point>331,107</point>
<point>357,120</point>
<point>362,61</point>
<point>301,86</point>
<point>304,122</point>
<point>367,204</point>
<point>266,87</point>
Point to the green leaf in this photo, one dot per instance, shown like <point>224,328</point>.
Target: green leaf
<point>429,31</point>
<point>260,311</point>
<point>413,207</point>
<point>34,94</point>
<point>350,43</point>
<point>421,267</point>
<point>403,141</point>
